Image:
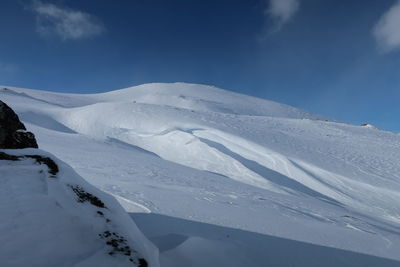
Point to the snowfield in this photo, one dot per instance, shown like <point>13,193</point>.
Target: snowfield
<point>215,178</point>
<point>52,217</point>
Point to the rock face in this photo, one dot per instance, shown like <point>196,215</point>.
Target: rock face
<point>13,134</point>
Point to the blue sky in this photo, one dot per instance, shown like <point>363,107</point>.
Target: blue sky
<point>338,58</point>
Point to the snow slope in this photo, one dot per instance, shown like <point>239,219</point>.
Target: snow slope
<point>213,157</point>
<point>51,217</point>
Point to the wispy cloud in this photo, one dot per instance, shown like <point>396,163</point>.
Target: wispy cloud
<point>281,11</point>
<point>66,23</point>
<point>387,30</point>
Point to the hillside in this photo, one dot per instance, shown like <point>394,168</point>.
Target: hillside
<point>207,172</point>
<point>51,217</point>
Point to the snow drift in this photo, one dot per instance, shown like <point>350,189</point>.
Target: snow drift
<point>52,217</point>
<point>203,154</point>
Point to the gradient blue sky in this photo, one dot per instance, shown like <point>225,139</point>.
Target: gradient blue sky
<point>338,58</point>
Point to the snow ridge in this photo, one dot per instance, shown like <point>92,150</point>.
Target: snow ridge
<point>52,217</point>
<point>203,154</point>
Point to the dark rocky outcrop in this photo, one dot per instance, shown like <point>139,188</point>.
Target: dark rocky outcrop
<point>13,134</point>
<point>51,165</point>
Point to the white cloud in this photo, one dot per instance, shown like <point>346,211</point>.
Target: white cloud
<point>65,22</point>
<point>281,11</point>
<point>387,30</point>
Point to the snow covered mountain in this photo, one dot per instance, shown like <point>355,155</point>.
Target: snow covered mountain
<point>51,217</point>
<point>215,178</point>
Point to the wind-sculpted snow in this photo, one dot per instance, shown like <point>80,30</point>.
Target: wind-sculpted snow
<point>203,98</point>
<point>211,156</point>
<point>45,220</point>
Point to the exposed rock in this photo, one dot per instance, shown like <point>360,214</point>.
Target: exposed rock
<point>367,125</point>
<point>13,134</point>
<point>51,165</point>
<point>85,196</point>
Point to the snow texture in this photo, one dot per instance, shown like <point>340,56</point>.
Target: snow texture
<point>52,217</point>
<point>215,178</point>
